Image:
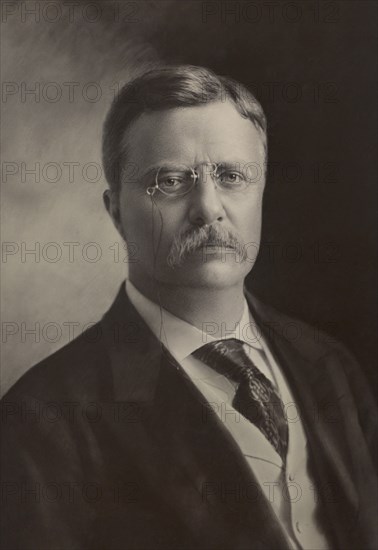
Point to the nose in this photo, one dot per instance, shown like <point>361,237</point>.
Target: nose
<point>206,206</point>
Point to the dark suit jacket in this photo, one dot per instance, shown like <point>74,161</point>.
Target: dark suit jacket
<point>108,445</point>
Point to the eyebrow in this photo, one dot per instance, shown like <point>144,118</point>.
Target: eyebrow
<point>225,163</point>
<point>154,167</point>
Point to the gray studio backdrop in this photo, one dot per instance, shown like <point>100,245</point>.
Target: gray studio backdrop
<point>311,63</point>
<point>62,259</point>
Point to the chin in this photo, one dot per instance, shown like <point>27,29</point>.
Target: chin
<point>212,275</point>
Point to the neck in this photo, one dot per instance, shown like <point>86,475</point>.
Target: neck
<point>210,309</point>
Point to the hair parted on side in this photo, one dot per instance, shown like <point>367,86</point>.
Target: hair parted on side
<point>164,88</point>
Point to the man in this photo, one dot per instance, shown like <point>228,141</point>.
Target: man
<point>185,419</point>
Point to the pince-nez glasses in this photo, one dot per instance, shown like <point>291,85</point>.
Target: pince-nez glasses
<point>178,180</point>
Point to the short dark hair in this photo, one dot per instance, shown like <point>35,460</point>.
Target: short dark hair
<point>164,88</point>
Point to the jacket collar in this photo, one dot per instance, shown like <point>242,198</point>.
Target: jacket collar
<point>180,337</point>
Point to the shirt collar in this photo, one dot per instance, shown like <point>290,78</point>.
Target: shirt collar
<point>180,337</point>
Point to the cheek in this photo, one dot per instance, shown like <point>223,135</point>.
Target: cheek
<point>144,221</point>
<point>169,217</point>
<point>166,227</point>
<point>136,217</point>
<point>246,216</point>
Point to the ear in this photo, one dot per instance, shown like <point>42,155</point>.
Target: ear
<point>111,202</point>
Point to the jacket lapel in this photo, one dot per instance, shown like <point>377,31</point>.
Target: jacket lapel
<point>321,394</point>
<point>187,456</point>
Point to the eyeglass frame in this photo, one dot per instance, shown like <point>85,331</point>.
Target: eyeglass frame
<point>151,189</point>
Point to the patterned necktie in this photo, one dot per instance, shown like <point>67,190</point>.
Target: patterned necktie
<point>255,398</point>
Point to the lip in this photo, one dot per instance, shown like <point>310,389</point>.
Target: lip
<point>215,245</point>
<point>212,252</point>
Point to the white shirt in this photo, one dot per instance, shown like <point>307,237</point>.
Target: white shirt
<point>290,491</point>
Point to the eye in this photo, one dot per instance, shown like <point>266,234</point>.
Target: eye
<point>231,178</point>
<point>174,180</point>
<point>170,182</point>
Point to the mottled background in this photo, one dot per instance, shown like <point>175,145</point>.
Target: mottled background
<point>313,66</point>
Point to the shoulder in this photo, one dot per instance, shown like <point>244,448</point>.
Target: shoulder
<point>320,358</point>
<point>82,367</point>
<point>75,370</point>
<point>318,355</point>
<point>312,343</point>
<point>53,409</point>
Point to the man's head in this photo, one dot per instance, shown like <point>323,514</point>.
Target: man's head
<point>184,153</point>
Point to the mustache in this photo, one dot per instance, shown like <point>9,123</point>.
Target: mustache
<point>193,239</point>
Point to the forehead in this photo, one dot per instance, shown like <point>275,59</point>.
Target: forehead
<point>215,132</point>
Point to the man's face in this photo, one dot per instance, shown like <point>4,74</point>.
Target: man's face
<point>195,137</point>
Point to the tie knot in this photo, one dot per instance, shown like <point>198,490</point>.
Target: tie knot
<point>226,357</point>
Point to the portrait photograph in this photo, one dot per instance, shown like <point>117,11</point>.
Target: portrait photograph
<point>189,266</point>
